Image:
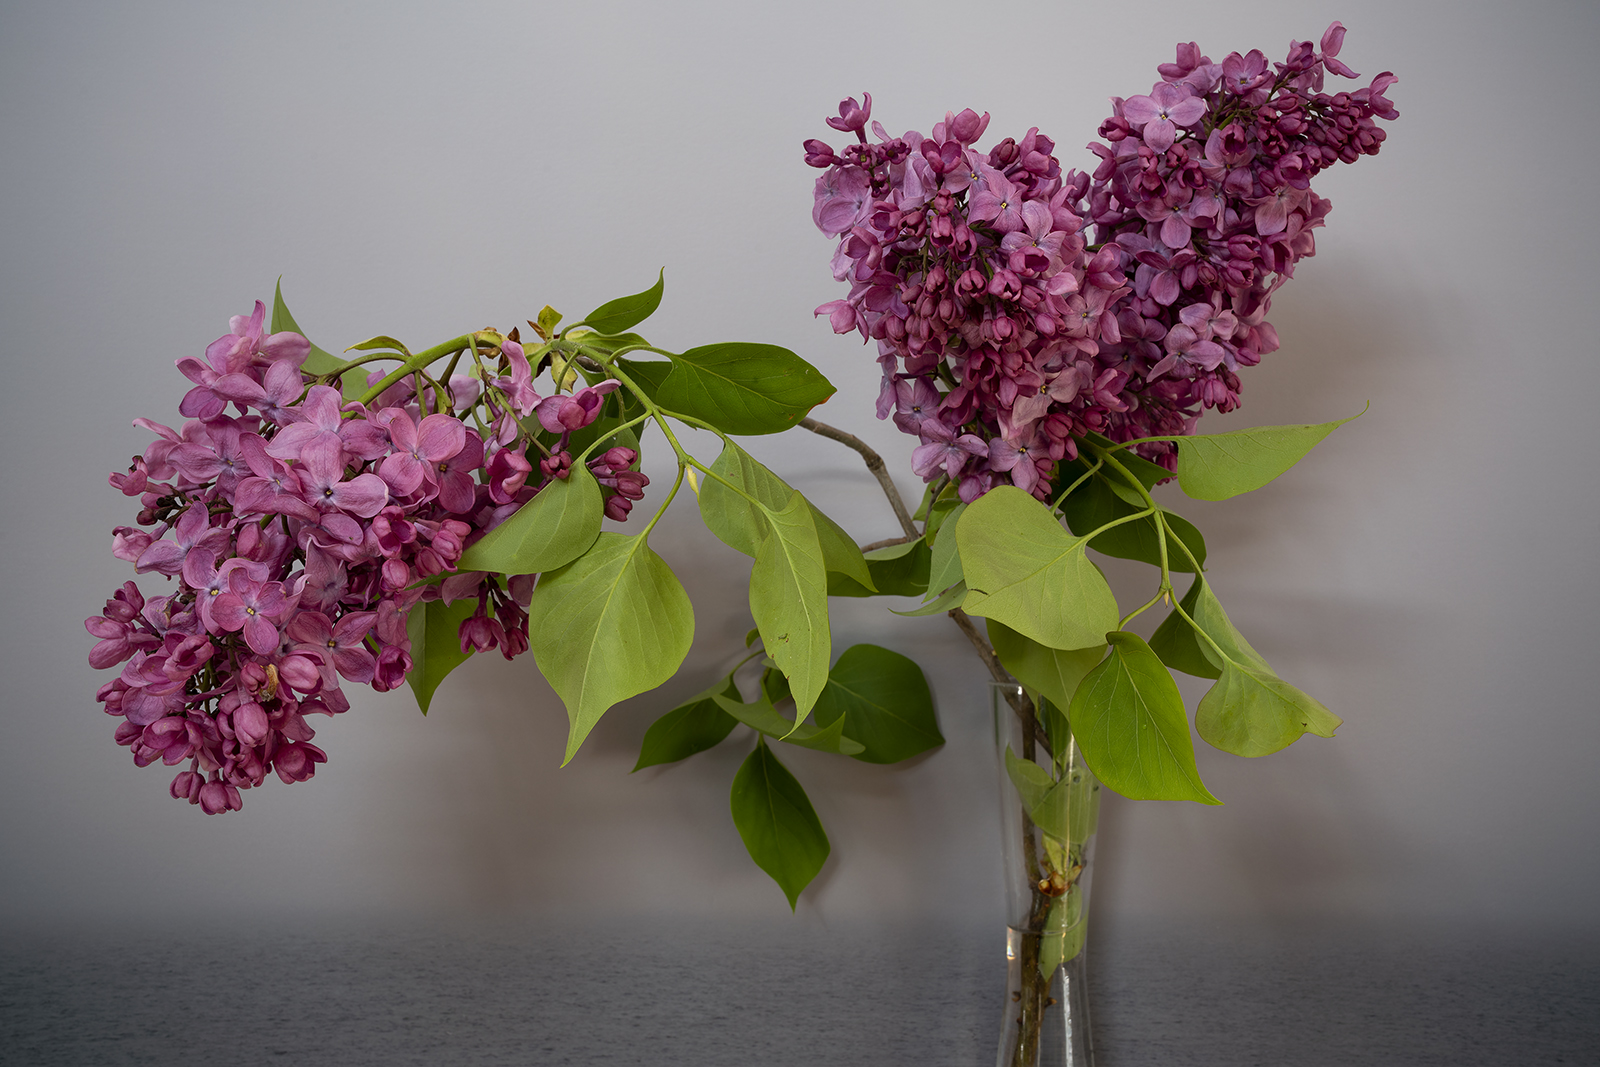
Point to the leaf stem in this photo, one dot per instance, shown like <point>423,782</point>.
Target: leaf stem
<point>416,363</point>
<point>662,510</point>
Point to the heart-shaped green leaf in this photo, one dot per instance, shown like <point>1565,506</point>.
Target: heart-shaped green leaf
<point>694,726</point>
<point>777,823</point>
<point>1253,712</point>
<point>549,531</point>
<point>611,624</point>
<point>1027,572</point>
<point>1130,723</point>
<point>434,628</point>
<point>1220,465</point>
<point>882,700</point>
<point>738,387</point>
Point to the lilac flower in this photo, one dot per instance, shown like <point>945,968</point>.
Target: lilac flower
<point>1161,113</point>
<point>942,450</point>
<point>457,492</point>
<point>853,116</point>
<point>418,449</point>
<point>253,607</point>
<point>323,485</point>
<point>321,419</point>
<point>342,645</point>
<point>519,387</point>
<point>915,402</point>
<point>193,530</point>
<point>563,414</point>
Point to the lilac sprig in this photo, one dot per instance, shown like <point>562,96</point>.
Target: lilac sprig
<point>1005,334</point>
<point>301,531</point>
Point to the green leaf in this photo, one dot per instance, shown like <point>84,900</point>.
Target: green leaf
<point>1023,569</point>
<point>1210,617</point>
<point>774,685</point>
<point>435,631</point>
<point>740,525</point>
<point>688,728</point>
<point>626,312</point>
<point>1175,641</point>
<point>944,567</point>
<point>764,718</point>
<point>1033,783</point>
<point>1253,712</point>
<point>1085,804</point>
<point>1131,726</point>
<point>1069,810</point>
<point>1220,465</point>
<point>897,570</point>
<point>948,506</point>
<point>882,700</point>
<point>948,600</point>
<point>1052,671</point>
<point>609,625</point>
<point>647,375</point>
<point>549,531</point>
<point>380,342</point>
<point>320,361</point>
<point>1097,502</point>
<point>789,599</point>
<point>742,388</point>
<point>775,818</point>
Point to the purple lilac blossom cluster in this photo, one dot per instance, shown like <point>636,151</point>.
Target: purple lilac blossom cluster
<point>301,531</point>
<point>1005,333</point>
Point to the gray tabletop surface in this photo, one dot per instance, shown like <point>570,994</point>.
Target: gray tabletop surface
<point>782,993</point>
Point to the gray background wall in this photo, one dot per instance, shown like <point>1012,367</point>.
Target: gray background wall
<point>416,170</point>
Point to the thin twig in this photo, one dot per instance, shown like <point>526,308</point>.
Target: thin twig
<point>1018,700</point>
<point>875,464</point>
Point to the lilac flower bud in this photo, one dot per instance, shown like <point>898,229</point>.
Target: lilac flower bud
<point>186,786</point>
<point>296,762</point>
<point>217,796</point>
<point>853,116</point>
<point>393,665</point>
<point>250,724</point>
<point>820,155</point>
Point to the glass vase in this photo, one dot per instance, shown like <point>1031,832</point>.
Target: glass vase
<point>1050,803</point>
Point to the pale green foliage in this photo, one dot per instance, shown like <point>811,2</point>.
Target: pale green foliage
<point>611,624</point>
<point>1129,720</point>
<point>789,599</point>
<point>1219,465</point>
<point>1025,571</point>
<point>433,628</point>
<point>1053,672</point>
<point>549,531</point>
